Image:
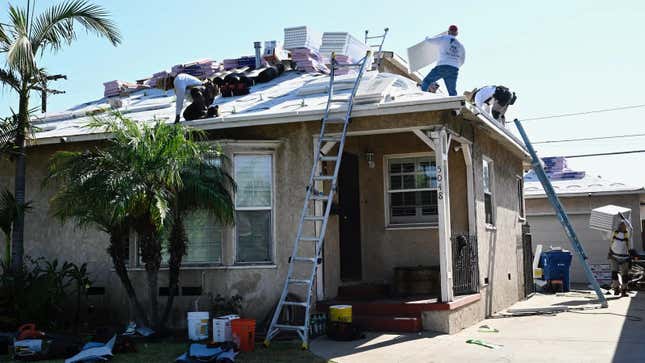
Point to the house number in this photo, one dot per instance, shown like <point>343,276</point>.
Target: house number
<point>439,183</point>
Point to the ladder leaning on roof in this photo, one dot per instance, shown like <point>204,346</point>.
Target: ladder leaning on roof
<point>561,214</point>
<point>305,274</point>
<point>378,48</point>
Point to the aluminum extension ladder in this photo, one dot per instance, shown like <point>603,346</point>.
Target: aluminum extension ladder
<point>561,214</point>
<point>308,211</point>
<point>378,48</point>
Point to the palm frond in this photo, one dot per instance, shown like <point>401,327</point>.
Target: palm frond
<point>9,78</point>
<point>9,209</point>
<point>54,27</point>
<point>20,55</point>
<point>8,132</point>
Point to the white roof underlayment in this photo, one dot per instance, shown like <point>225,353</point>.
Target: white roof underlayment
<point>587,185</point>
<point>292,97</point>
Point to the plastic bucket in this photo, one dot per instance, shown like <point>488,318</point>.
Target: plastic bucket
<point>198,325</point>
<point>340,313</point>
<point>244,333</point>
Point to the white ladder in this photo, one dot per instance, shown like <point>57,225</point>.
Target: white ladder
<point>308,210</point>
<point>377,47</point>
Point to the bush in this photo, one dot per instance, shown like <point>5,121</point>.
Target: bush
<point>37,293</point>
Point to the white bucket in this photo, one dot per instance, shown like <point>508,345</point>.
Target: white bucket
<point>198,325</point>
<point>222,328</point>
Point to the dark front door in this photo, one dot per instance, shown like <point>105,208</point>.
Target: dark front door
<point>349,219</point>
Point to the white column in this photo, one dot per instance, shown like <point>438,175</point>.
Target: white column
<point>468,159</point>
<point>440,139</point>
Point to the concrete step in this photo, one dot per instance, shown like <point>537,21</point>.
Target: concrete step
<point>399,324</point>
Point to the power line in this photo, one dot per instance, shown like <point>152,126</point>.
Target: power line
<point>587,139</point>
<point>583,113</point>
<point>603,154</point>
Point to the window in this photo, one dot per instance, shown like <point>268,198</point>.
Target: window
<point>488,191</point>
<point>253,207</point>
<point>411,190</point>
<point>520,196</point>
<point>204,238</point>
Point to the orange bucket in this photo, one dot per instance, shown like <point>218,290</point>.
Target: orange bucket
<point>244,330</point>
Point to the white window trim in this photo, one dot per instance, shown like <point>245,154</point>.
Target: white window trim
<point>386,187</point>
<point>272,248</point>
<point>491,181</point>
<point>136,264</point>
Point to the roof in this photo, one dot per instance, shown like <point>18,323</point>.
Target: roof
<point>292,97</point>
<point>567,182</point>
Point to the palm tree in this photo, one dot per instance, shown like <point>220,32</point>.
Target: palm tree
<point>24,40</point>
<point>147,177</point>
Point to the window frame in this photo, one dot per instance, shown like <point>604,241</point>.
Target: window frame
<point>491,185</point>
<point>272,209</point>
<point>386,191</point>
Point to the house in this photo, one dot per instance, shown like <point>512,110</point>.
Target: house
<point>418,171</point>
<point>579,193</point>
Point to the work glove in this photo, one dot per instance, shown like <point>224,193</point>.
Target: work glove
<point>633,254</point>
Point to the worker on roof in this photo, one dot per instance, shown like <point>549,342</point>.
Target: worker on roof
<point>182,82</point>
<point>493,100</point>
<point>621,250</point>
<point>451,56</point>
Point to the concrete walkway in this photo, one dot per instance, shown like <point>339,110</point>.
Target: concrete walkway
<point>616,334</point>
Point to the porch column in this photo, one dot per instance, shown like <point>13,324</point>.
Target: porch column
<point>441,142</point>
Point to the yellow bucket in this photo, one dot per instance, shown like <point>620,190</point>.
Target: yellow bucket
<point>340,313</point>
<point>538,273</point>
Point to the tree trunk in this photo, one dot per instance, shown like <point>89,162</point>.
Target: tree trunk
<point>7,251</point>
<point>118,246</point>
<point>177,246</point>
<point>17,248</point>
<point>151,257</point>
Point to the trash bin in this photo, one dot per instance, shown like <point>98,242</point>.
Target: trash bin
<point>556,265</point>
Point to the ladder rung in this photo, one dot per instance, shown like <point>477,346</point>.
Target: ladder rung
<point>330,138</point>
<point>314,218</point>
<point>374,45</point>
<point>335,120</point>
<point>295,303</point>
<point>324,177</point>
<point>289,327</point>
<point>320,197</point>
<point>347,65</point>
<point>338,100</point>
<point>310,239</point>
<point>304,259</point>
<point>329,158</point>
<point>299,281</point>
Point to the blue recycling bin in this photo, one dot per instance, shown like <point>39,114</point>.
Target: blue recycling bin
<point>556,265</point>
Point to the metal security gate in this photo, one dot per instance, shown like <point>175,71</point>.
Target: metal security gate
<point>527,249</point>
<point>465,264</point>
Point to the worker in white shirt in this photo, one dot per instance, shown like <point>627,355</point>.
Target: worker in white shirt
<point>451,56</point>
<point>621,250</point>
<point>493,100</point>
<point>182,82</point>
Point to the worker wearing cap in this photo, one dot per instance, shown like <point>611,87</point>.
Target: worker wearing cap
<point>451,56</point>
<point>620,252</point>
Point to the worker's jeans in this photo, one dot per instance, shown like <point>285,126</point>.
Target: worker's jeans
<point>447,73</point>
<point>622,268</point>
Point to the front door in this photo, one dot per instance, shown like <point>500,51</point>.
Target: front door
<point>349,216</point>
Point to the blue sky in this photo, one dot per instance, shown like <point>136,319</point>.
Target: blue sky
<point>558,56</point>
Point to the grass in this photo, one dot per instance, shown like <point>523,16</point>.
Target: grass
<point>169,351</point>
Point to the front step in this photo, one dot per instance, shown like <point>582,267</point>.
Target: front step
<point>399,324</point>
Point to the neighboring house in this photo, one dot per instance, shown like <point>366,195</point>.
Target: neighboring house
<point>579,193</point>
<point>400,202</point>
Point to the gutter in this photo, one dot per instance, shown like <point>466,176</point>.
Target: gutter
<point>234,121</point>
<point>499,129</point>
<point>588,194</point>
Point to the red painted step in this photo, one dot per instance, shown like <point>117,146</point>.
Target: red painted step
<point>399,324</point>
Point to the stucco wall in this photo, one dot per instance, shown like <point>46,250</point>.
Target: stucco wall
<point>261,285</point>
<point>546,229</point>
<point>500,249</point>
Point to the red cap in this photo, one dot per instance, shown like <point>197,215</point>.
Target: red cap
<point>452,28</point>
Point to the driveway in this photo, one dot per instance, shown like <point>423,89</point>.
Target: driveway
<point>615,334</point>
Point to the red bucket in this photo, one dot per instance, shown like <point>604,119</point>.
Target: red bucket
<point>244,331</point>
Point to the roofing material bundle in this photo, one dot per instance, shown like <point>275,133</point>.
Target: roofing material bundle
<point>245,61</point>
<point>116,88</point>
<point>302,37</point>
<point>274,53</point>
<point>201,69</point>
<point>342,43</point>
<point>308,60</point>
<point>156,77</point>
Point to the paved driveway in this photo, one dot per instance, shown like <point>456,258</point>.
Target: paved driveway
<point>616,334</point>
